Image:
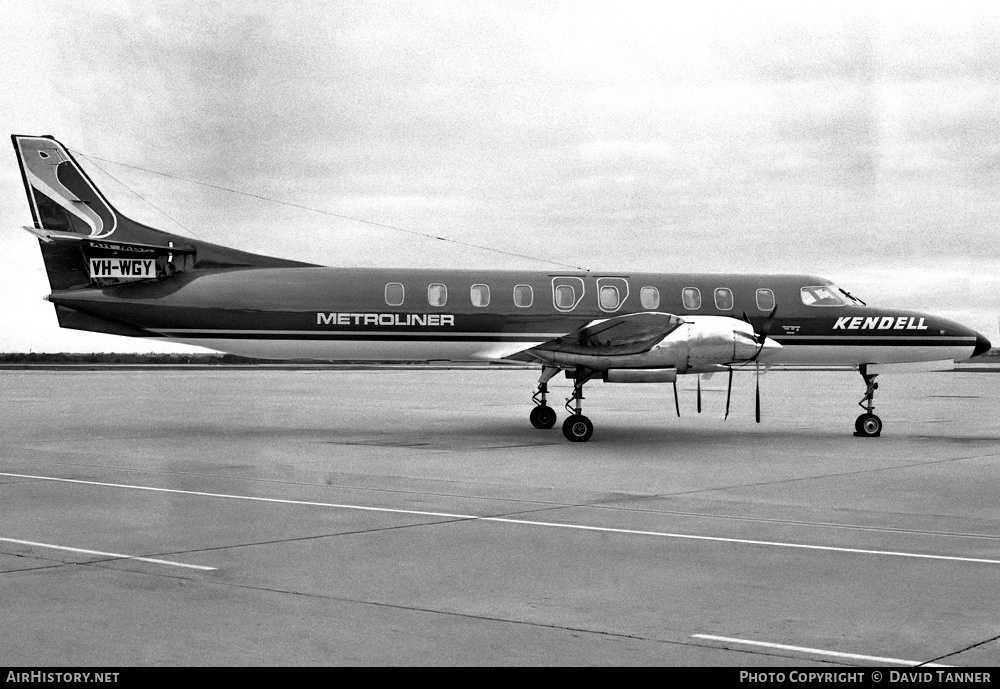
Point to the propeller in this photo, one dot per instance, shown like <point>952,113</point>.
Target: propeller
<point>765,330</point>
<point>729,393</point>
<point>677,403</point>
<point>757,408</point>
<point>761,337</point>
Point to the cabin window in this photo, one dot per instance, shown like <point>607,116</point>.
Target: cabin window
<point>650,298</point>
<point>724,299</point>
<point>567,291</point>
<point>523,296</point>
<point>611,293</point>
<point>480,295</point>
<point>823,295</point>
<point>609,298</point>
<point>765,300</point>
<point>691,296</point>
<point>437,294</point>
<point>565,297</point>
<point>394,294</point>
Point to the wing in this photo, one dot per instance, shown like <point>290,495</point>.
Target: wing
<point>630,334</point>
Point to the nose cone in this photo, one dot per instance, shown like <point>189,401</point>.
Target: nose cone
<point>982,345</point>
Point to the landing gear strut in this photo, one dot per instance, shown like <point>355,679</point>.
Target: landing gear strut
<point>543,416</point>
<point>577,428</point>
<point>868,425</point>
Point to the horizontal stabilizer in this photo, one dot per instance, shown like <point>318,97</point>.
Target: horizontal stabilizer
<point>49,236</point>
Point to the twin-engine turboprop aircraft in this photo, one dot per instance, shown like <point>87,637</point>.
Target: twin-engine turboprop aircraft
<point>110,274</point>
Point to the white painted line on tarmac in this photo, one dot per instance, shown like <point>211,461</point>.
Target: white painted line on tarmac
<point>120,556</point>
<point>819,651</point>
<point>523,522</point>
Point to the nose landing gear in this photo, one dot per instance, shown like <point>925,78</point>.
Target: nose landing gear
<point>868,425</point>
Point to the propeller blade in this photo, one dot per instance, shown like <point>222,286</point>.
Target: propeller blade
<point>758,392</point>
<point>699,394</point>
<point>765,330</point>
<point>729,393</point>
<point>677,403</point>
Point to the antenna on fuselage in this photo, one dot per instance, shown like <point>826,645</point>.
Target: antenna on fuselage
<point>322,212</point>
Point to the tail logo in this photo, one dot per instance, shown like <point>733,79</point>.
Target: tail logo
<point>62,196</point>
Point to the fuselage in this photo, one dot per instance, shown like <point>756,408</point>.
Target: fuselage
<point>385,314</point>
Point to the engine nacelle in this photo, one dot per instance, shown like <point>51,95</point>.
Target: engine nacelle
<point>711,341</point>
<point>702,343</point>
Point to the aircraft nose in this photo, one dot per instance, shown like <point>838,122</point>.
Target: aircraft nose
<point>982,345</point>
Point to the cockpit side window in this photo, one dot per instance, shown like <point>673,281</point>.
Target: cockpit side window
<point>823,295</point>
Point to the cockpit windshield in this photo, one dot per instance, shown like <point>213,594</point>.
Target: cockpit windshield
<point>827,295</point>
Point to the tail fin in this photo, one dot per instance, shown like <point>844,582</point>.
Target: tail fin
<point>76,224</point>
<point>62,197</point>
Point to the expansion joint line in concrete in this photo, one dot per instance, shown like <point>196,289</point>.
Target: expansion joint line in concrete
<point>966,649</point>
<point>357,532</point>
<point>817,477</point>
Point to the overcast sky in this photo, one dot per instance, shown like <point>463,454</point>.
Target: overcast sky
<point>855,141</point>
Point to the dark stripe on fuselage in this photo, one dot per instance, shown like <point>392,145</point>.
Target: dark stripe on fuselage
<point>352,336</point>
<point>876,341</point>
<point>824,341</point>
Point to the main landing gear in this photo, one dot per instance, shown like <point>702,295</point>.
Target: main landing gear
<point>543,416</point>
<point>577,428</point>
<point>868,425</point>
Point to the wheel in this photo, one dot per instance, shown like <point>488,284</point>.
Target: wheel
<point>868,426</point>
<point>577,428</point>
<point>543,416</point>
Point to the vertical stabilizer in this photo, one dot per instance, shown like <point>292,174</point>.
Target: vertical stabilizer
<point>77,225</point>
<point>62,197</point>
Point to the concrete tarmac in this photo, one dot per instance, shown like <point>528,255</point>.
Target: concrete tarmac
<point>387,517</point>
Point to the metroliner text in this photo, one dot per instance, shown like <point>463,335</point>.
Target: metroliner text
<point>438,320</point>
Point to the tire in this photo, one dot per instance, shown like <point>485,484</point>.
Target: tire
<point>543,416</point>
<point>577,428</point>
<point>868,426</point>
